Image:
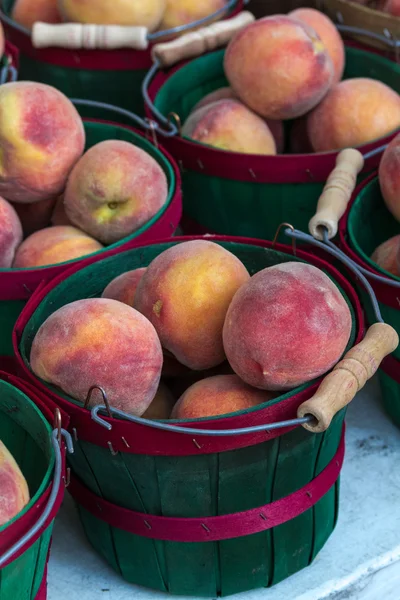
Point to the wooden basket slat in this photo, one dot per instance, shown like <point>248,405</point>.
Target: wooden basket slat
<point>17,578</point>
<point>100,535</point>
<point>42,555</point>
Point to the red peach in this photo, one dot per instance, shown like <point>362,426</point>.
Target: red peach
<point>392,7</point>
<point>28,12</point>
<point>123,287</point>
<point>100,342</point>
<point>14,492</point>
<point>10,234</point>
<point>389,177</point>
<point>387,255</point>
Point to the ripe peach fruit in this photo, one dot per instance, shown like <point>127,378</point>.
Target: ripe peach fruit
<point>183,12</point>
<point>54,245</point>
<point>10,233</point>
<point>279,67</point>
<point>28,12</point>
<point>354,112</point>
<point>229,125</point>
<point>123,287</point>
<point>387,255</point>
<point>389,177</point>
<point>113,190</point>
<point>101,342</point>
<point>392,7</point>
<point>185,293</point>
<point>41,136</point>
<point>288,325</point>
<point>2,41</point>
<point>218,395</point>
<point>14,492</point>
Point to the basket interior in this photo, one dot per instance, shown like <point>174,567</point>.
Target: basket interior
<point>26,434</point>
<point>189,84</point>
<point>370,223</point>
<point>97,132</point>
<point>90,281</point>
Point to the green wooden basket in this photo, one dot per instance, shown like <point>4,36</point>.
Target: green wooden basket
<point>163,508</point>
<point>237,194</point>
<point>16,285</point>
<point>25,541</point>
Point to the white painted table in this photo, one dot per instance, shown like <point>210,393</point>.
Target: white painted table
<point>361,561</point>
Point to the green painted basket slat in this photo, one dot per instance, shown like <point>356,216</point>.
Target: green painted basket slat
<point>390,389</point>
<point>200,485</point>
<point>26,434</point>
<point>231,207</point>
<point>95,133</point>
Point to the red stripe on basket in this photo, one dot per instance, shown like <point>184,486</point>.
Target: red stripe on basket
<point>391,366</point>
<point>42,591</point>
<point>212,529</point>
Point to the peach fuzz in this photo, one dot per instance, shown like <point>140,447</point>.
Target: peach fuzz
<point>353,113</point>
<point>123,287</point>
<point>185,293</point>
<point>229,125</point>
<point>288,325</point>
<point>329,35</point>
<point>14,492</point>
<point>389,177</point>
<point>100,342</point>
<point>278,67</point>
<point>10,234</point>
<point>35,216</point>
<point>387,255</point>
<point>113,190</point>
<point>142,13</point>
<point>161,405</point>
<point>54,245</point>
<point>219,395</point>
<point>28,12</point>
<point>183,12</point>
<point>41,137</point>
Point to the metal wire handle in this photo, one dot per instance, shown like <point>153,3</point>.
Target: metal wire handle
<point>52,498</point>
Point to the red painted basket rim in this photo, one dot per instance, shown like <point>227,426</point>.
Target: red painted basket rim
<point>135,438</point>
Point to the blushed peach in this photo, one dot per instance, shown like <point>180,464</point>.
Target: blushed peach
<point>354,112</point>
<point>10,233</point>
<point>113,190</point>
<point>100,342</point>
<point>161,405</point>
<point>14,492</point>
<point>387,255</point>
<point>142,13</point>
<point>218,395</point>
<point>185,293</point>
<point>123,287</point>
<point>229,125</point>
<point>41,136</point>
<point>279,67</point>
<point>389,177</point>
<point>54,245</point>
<point>329,35</point>
<point>28,12</point>
<point>286,326</point>
<point>183,12</point>
<point>392,7</point>
<point>35,216</point>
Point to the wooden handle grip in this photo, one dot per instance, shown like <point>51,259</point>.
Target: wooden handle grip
<point>201,41</point>
<point>349,376</point>
<point>90,37</point>
<point>337,192</point>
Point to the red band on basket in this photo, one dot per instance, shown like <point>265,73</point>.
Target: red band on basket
<point>391,366</point>
<point>42,591</point>
<point>211,529</point>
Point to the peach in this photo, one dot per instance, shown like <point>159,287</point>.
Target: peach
<point>35,216</point>
<point>2,41</point>
<point>183,12</point>
<point>28,12</point>
<point>329,35</point>
<point>392,7</point>
<point>229,125</point>
<point>14,492</point>
<point>278,67</point>
<point>299,142</point>
<point>218,395</point>
<point>123,287</point>
<point>286,326</point>
<point>387,255</point>
<point>58,216</point>
<point>41,137</point>
<point>353,113</point>
<point>54,245</point>
<point>142,13</point>
<point>389,177</point>
<point>113,190</point>
<point>161,405</point>
<point>10,234</point>
<point>101,342</point>
<point>185,293</point>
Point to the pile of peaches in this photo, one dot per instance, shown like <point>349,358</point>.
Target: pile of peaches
<point>290,68</point>
<point>89,199</point>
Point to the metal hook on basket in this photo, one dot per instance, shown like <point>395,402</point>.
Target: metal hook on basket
<point>105,398</point>
<point>153,127</point>
<point>58,424</point>
<point>177,119</point>
<point>274,241</point>
<point>57,478</point>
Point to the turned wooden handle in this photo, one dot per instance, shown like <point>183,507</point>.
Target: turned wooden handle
<point>201,41</point>
<point>349,376</point>
<point>337,192</point>
<point>90,37</point>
